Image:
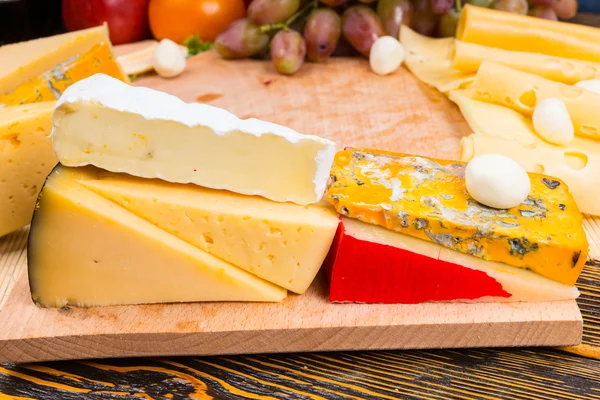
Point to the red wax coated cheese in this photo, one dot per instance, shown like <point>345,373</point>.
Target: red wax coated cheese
<point>369,272</point>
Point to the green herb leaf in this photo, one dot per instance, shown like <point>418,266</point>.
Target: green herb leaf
<point>195,45</point>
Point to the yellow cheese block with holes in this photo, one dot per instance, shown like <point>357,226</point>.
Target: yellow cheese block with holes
<point>430,59</point>
<point>468,57</point>
<point>85,250</point>
<point>517,32</point>
<point>26,158</point>
<point>283,243</point>
<point>24,61</point>
<point>522,91</point>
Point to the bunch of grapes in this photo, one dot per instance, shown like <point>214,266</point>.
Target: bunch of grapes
<point>295,30</point>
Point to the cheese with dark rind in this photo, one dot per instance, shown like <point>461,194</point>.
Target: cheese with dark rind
<point>371,264</point>
<point>426,198</point>
<point>85,250</point>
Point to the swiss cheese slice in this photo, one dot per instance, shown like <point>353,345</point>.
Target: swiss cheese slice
<point>372,264</point>
<point>517,32</point>
<point>26,158</point>
<point>429,60</point>
<point>85,250</point>
<point>468,57</point>
<point>522,91</point>
<point>283,243</point>
<point>426,198</point>
<point>24,61</point>
<point>150,134</point>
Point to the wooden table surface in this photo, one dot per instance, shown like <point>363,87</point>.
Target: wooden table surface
<point>530,373</point>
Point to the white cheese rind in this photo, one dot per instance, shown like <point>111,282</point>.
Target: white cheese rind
<point>116,104</point>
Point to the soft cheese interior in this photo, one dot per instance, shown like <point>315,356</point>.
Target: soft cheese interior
<point>150,134</point>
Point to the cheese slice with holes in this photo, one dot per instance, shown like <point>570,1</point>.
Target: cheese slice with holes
<point>143,132</point>
<point>27,60</point>
<point>429,60</point>
<point>371,264</point>
<point>283,243</point>
<point>522,91</point>
<point>26,158</point>
<point>85,250</point>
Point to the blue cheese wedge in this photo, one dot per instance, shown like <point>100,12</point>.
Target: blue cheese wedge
<point>104,122</point>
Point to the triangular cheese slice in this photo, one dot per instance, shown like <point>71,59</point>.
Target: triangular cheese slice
<point>86,251</point>
<point>283,243</point>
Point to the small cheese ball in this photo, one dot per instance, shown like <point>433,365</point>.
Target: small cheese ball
<point>497,181</point>
<point>593,85</point>
<point>168,60</point>
<point>552,121</point>
<point>387,54</point>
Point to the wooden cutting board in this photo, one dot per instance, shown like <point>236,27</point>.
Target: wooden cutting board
<point>341,100</point>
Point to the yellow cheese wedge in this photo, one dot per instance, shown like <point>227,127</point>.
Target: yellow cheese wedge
<point>429,60</point>
<point>84,250</point>
<point>51,84</point>
<point>468,57</point>
<point>517,139</point>
<point>578,168</point>
<point>283,243</point>
<point>26,158</point>
<point>24,61</point>
<point>523,33</point>
<point>522,91</point>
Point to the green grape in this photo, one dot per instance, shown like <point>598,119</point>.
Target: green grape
<point>272,11</point>
<point>288,50</point>
<point>448,23</point>
<point>394,13</point>
<point>513,6</point>
<point>424,20</point>
<point>361,27</point>
<point>322,33</point>
<point>241,39</point>
<point>334,3</point>
<point>544,12</point>
<point>481,3</point>
<point>565,9</point>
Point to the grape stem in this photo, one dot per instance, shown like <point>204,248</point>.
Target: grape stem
<point>285,25</point>
<point>458,6</point>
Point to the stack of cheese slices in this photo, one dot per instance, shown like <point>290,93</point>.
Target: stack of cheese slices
<point>499,69</point>
<point>38,72</point>
<point>156,200</point>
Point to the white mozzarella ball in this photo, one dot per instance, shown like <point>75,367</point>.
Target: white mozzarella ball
<point>387,54</point>
<point>168,60</point>
<point>552,121</point>
<point>497,181</point>
<point>593,85</point>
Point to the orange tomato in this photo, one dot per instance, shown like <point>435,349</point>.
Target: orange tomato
<point>179,19</point>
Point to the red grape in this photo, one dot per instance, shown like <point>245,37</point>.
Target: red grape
<point>361,27</point>
<point>288,51</point>
<point>424,20</point>
<point>544,12</point>
<point>565,9</point>
<point>441,6</point>
<point>241,39</point>
<point>322,33</point>
<point>542,2</point>
<point>394,13</point>
<point>272,11</point>
<point>334,3</point>
<point>513,6</point>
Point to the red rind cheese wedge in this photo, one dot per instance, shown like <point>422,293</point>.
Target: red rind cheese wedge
<point>370,264</point>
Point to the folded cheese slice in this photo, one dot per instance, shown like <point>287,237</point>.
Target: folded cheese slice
<point>85,250</point>
<point>427,198</point>
<point>283,243</point>
<point>371,264</point>
<point>150,134</point>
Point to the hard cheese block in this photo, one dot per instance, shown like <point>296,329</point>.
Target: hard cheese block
<point>24,61</point>
<point>426,198</point>
<point>26,158</point>
<point>150,134</point>
<point>283,243</point>
<point>522,91</point>
<point>371,264</point>
<point>512,31</point>
<point>85,250</point>
<point>51,84</point>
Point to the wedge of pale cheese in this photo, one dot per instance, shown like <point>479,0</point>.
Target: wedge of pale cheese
<point>23,61</point>
<point>85,250</point>
<point>26,158</point>
<point>429,60</point>
<point>521,91</point>
<point>371,264</point>
<point>283,243</point>
<point>143,132</point>
<point>468,57</point>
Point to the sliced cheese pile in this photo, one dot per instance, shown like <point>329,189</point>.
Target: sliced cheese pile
<point>427,199</point>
